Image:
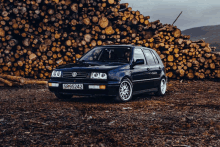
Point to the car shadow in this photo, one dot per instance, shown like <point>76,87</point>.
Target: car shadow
<point>103,99</point>
<point>87,99</point>
<point>143,96</point>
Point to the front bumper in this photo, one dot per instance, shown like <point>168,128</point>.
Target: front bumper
<point>111,88</point>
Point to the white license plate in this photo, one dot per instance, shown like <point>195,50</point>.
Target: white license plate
<point>72,86</point>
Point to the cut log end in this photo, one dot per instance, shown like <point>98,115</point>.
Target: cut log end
<point>103,22</point>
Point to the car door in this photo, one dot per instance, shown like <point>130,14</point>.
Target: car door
<point>139,73</point>
<point>153,67</point>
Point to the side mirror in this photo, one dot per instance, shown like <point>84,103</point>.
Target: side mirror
<point>139,61</point>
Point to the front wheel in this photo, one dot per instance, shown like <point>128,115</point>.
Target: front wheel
<point>125,91</point>
<point>162,88</point>
<point>63,96</point>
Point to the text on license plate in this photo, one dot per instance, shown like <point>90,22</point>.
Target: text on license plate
<point>72,86</point>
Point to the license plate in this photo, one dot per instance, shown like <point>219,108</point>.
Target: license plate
<point>72,86</point>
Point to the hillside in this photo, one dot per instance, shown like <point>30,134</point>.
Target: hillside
<point>210,34</point>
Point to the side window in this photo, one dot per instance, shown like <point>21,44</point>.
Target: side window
<point>155,57</point>
<point>138,54</point>
<point>149,57</point>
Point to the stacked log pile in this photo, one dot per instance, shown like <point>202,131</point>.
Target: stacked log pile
<point>184,58</point>
<point>39,35</point>
<point>8,80</point>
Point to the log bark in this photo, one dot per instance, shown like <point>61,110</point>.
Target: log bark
<point>6,82</point>
<point>35,82</point>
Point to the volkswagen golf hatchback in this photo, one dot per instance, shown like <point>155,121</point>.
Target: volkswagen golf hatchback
<point>120,71</point>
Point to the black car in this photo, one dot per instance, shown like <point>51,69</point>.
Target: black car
<point>115,70</point>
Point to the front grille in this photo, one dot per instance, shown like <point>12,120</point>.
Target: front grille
<point>80,75</point>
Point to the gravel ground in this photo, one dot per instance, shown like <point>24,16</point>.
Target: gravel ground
<point>188,115</point>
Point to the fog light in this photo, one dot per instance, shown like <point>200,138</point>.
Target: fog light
<point>53,84</point>
<point>93,86</point>
<point>97,87</point>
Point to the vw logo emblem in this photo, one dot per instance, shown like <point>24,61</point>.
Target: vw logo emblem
<point>74,74</point>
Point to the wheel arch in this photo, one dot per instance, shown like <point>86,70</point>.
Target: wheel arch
<point>126,77</point>
<point>163,76</point>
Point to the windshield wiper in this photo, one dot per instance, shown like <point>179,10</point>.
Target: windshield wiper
<point>120,60</point>
<point>81,61</point>
<point>103,60</point>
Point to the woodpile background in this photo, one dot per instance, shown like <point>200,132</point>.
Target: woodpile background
<point>39,35</point>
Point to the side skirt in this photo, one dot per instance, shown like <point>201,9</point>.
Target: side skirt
<point>144,91</point>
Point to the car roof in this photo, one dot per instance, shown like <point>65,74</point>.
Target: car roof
<point>125,45</point>
<point>119,45</point>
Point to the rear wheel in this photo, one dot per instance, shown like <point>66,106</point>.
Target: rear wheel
<point>63,96</point>
<point>162,87</point>
<point>125,91</point>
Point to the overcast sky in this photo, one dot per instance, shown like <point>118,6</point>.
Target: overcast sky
<point>195,12</point>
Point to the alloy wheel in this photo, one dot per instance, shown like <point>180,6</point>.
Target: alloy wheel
<point>163,86</point>
<point>125,90</point>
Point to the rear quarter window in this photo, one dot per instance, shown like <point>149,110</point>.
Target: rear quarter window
<point>149,57</point>
<point>158,57</point>
<point>155,58</point>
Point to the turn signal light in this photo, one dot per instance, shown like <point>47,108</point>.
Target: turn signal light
<point>53,84</point>
<point>102,87</point>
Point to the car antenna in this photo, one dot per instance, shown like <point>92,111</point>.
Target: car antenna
<point>177,17</point>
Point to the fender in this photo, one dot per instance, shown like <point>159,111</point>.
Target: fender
<point>119,73</point>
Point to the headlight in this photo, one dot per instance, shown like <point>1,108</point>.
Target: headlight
<point>56,74</point>
<point>96,75</point>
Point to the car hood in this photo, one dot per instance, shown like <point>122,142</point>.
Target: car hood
<point>92,66</point>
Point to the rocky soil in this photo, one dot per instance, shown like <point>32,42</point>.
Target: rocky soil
<point>188,115</point>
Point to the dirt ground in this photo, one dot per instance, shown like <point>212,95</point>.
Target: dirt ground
<point>188,115</point>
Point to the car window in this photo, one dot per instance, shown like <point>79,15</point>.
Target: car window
<point>115,54</point>
<point>158,57</point>
<point>120,54</point>
<point>149,57</point>
<point>92,55</point>
<point>138,54</point>
<point>155,57</point>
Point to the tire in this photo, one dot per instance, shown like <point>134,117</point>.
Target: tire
<point>63,96</point>
<point>162,87</point>
<point>125,91</point>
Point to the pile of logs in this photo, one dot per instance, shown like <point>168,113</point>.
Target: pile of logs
<point>184,58</point>
<point>8,80</point>
<point>39,35</point>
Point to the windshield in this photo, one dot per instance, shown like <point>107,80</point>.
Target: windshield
<point>108,55</point>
